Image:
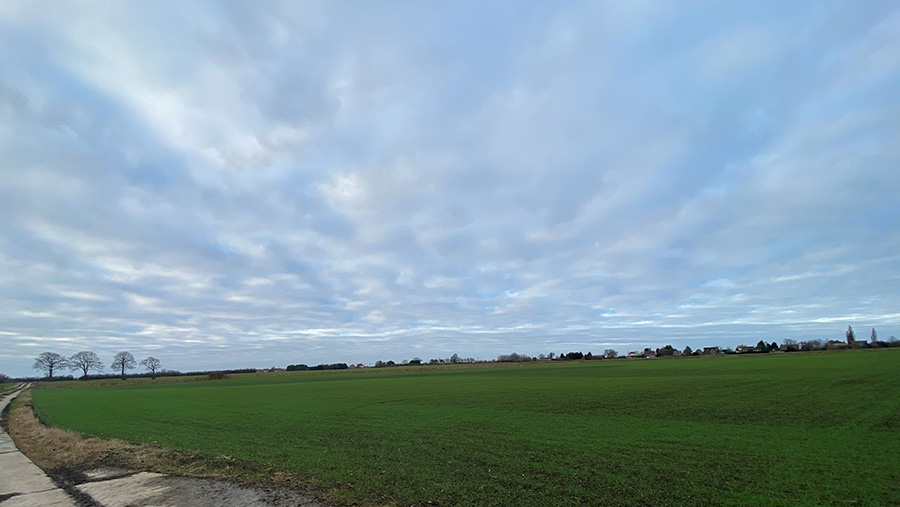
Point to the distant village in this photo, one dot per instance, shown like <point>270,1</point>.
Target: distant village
<point>788,345</point>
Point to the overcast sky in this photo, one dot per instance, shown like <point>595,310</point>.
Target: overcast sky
<point>249,184</point>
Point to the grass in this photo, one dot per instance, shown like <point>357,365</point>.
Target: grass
<point>788,429</point>
<point>64,454</point>
<point>5,387</point>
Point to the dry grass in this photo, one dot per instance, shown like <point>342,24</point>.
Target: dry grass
<point>55,449</point>
<point>52,448</point>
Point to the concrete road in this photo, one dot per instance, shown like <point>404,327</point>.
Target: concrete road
<point>22,483</point>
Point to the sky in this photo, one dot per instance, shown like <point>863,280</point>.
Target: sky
<point>255,184</point>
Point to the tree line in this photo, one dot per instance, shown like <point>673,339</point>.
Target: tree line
<point>319,367</point>
<point>87,361</point>
<point>418,361</point>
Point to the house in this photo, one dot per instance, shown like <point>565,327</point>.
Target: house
<point>711,351</point>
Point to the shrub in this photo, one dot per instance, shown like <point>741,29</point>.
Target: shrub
<point>217,375</point>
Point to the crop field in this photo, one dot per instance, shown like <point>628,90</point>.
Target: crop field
<point>779,429</point>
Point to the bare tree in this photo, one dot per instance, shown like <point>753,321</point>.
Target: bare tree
<point>874,337</point>
<point>123,361</point>
<point>152,364</point>
<point>49,361</point>
<point>610,354</point>
<point>85,361</point>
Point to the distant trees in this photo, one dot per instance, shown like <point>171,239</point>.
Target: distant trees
<point>808,345</point>
<point>513,358</point>
<point>668,350</point>
<point>85,361</point>
<point>874,337</point>
<point>761,347</point>
<point>47,362</point>
<point>610,354</point>
<point>563,356</point>
<point>790,345</point>
<point>318,367</point>
<point>851,336</point>
<point>123,361</point>
<point>418,361</point>
<point>151,364</point>
<point>687,351</point>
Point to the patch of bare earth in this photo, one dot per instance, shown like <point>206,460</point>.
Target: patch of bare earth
<point>79,463</point>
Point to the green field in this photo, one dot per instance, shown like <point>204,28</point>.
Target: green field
<point>780,429</point>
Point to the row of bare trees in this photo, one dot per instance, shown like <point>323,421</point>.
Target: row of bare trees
<point>87,361</point>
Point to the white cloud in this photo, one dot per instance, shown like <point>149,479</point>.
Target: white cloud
<point>344,191</point>
<point>224,186</point>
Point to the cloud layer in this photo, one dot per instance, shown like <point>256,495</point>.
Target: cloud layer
<point>264,184</point>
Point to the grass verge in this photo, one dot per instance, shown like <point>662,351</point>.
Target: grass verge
<point>65,455</point>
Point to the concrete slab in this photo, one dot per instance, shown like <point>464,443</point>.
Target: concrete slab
<point>147,489</point>
<point>20,475</point>
<point>6,443</point>
<point>140,489</point>
<point>106,473</point>
<point>52,498</point>
<point>22,483</point>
